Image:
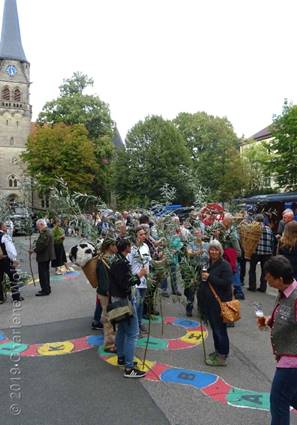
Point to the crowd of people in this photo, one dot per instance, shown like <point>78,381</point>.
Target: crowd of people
<point>141,257</point>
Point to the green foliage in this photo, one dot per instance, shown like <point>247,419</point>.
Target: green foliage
<point>75,107</point>
<point>61,151</point>
<point>284,147</point>
<point>155,155</point>
<point>73,205</point>
<point>214,149</point>
<point>256,159</point>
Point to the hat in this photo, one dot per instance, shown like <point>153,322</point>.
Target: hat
<point>217,245</point>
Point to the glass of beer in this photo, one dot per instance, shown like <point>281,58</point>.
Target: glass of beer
<point>260,315</point>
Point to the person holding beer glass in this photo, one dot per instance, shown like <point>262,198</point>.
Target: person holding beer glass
<point>283,323</point>
<point>219,275</point>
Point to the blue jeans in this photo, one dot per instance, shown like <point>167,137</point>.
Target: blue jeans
<point>220,338</point>
<point>283,395</point>
<point>126,338</point>
<point>140,295</point>
<point>236,281</point>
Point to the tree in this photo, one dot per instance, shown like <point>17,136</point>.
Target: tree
<point>284,147</point>
<point>215,153</point>
<point>75,107</point>
<point>72,107</point>
<point>155,154</point>
<point>61,151</point>
<point>256,158</point>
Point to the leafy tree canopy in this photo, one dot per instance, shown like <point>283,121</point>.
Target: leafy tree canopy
<point>73,106</point>
<point>61,151</point>
<point>155,154</point>
<point>256,159</point>
<point>284,147</point>
<point>214,149</point>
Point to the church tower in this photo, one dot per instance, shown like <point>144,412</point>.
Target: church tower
<point>15,108</point>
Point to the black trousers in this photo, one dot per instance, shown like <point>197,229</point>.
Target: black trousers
<point>44,276</point>
<point>7,268</point>
<point>255,258</point>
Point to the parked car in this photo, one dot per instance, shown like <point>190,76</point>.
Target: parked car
<point>22,221</point>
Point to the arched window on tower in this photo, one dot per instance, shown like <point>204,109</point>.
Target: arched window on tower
<point>12,181</point>
<point>5,93</point>
<point>11,141</point>
<point>17,95</point>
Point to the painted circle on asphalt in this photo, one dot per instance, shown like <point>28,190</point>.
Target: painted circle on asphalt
<point>56,348</point>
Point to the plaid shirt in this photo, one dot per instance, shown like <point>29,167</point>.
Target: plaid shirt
<point>266,242</point>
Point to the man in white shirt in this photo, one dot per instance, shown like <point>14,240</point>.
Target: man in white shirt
<point>7,264</point>
<point>140,259</point>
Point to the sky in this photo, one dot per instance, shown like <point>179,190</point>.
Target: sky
<point>233,58</point>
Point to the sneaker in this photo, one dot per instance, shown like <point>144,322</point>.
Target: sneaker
<point>216,360</point>
<point>97,326</point>
<point>134,373</point>
<point>213,355</point>
<point>189,314</point>
<point>240,296</point>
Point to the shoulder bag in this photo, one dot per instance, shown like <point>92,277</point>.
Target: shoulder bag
<point>119,310</point>
<point>230,310</point>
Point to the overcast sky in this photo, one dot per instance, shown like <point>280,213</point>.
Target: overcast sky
<point>230,58</point>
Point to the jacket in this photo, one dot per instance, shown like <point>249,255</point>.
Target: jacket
<point>44,247</point>
<point>220,277</point>
<point>121,278</point>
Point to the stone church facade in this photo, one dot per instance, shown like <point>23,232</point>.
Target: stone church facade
<point>15,108</point>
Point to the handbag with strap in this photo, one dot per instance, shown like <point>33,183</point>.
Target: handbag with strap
<point>230,310</point>
<point>119,310</point>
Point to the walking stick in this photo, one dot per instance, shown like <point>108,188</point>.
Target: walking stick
<point>203,340</point>
<point>30,259</point>
<point>148,332</point>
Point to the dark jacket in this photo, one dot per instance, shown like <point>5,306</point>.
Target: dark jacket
<point>103,276</point>
<point>291,255</point>
<point>44,248</point>
<point>121,278</point>
<point>220,277</point>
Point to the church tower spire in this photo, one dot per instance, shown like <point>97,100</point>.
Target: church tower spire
<point>15,108</point>
<point>11,43</point>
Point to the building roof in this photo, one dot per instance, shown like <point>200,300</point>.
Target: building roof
<point>11,44</point>
<point>117,140</point>
<point>262,134</point>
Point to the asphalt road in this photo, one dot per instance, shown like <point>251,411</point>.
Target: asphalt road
<point>80,388</point>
